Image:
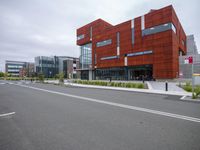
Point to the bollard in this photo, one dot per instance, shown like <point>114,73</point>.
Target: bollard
<point>166,86</point>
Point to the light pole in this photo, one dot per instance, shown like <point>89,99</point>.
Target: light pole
<point>192,76</point>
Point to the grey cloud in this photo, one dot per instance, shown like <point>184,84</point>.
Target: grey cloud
<point>48,27</point>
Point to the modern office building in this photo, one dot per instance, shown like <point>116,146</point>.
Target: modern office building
<point>147,46</point>
<point>18,68</point>
<point>46,65</point>
<point>186,69</point>
<point>50,66</point>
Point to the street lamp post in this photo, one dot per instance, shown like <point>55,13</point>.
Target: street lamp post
<point>192,77</point>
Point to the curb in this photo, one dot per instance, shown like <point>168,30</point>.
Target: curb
<point>149,85</point>
<point>189,99</point>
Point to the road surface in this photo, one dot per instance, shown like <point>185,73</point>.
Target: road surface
<point>51,117</point>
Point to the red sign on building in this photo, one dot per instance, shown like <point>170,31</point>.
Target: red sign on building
<point>190,59</point>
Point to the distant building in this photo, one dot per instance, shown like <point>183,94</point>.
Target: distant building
<point>70,67</point>
<point>28,71</point>
<point>19,68</point>
<point>46,65</point>
<point>186,69</point>
<point>191,45</point>
<point>50,66</point>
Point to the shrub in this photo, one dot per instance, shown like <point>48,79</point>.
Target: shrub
<point>140,86</point>
<point>133,85</point>
<point>188,84</point>
<point>1,74</point>
<point>112,84</point>
<point>115,84</point>
<point>128,85</point>
<point>187,87</point>
<point>196,91</point>
<point>61,77</point>
<point>41,77</point>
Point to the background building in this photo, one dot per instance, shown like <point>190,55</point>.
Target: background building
<point>46,65</point>
<point>186,69</point>
<point>27,71</point>
<point>71,67</point>
<point>147,46</point>
<point>50,66</point>
<point>19,69</point>
<point>13,67</point>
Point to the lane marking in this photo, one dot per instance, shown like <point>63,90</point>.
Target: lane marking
<point>162,113</point>
<point>7,114</point>
<point>2,83</point>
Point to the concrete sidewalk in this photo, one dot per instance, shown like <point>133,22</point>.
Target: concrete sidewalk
<point>157,85</point>
<point>154,91</point>
<point>133,89</point>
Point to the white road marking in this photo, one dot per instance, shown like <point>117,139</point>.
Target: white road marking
<point>7,114</point>
<point>172,115</point>
<point>183,97</point>
<point>2,83</point>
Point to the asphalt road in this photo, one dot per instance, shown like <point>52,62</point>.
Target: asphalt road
<point>51,117</point>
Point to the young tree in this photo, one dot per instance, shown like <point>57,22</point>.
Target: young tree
<point>41,77</point>
<point>61,77</point>
<point>1,74</point>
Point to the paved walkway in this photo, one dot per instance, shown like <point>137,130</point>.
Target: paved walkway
<point>150,90</point>
<point>172,86</point>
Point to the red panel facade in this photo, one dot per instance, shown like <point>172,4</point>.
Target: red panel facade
<point>165,46</point>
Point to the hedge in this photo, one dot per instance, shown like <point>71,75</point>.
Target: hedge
<point>114,84</point>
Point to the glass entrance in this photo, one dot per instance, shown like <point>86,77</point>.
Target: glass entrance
<point>85,74</point>
<point>140,72</point>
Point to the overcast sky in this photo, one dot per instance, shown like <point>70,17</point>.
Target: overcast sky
<point>30,28</point>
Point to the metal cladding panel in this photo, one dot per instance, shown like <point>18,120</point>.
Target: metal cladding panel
<point>165,45</point>
<point>97,26</point>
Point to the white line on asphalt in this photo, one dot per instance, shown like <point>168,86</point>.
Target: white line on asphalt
<point>2,83</point>
<point>193,119</point>
<point>7,114</point>
<point>183,97</point>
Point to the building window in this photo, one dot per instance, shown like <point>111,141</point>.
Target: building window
<point>173,28</point>
<point>142,23</point>
<point>86,56</point>
<point>13,70</point>
<point>140,53</point>
<point>14,66</point>
<point>133,35</point>
<point>116,73</point>
<point>132,31</point>
<point>90,32</point>
<point>118,43</point>
<point>79,37</point>
<point>109,57</point>
<point>183,42</point>
<point>95,58</point>
<point>118,39</point>
<point>159,28</point>
<point>103,43</point>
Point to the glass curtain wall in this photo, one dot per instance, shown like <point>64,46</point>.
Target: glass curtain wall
<point>86,56</point>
